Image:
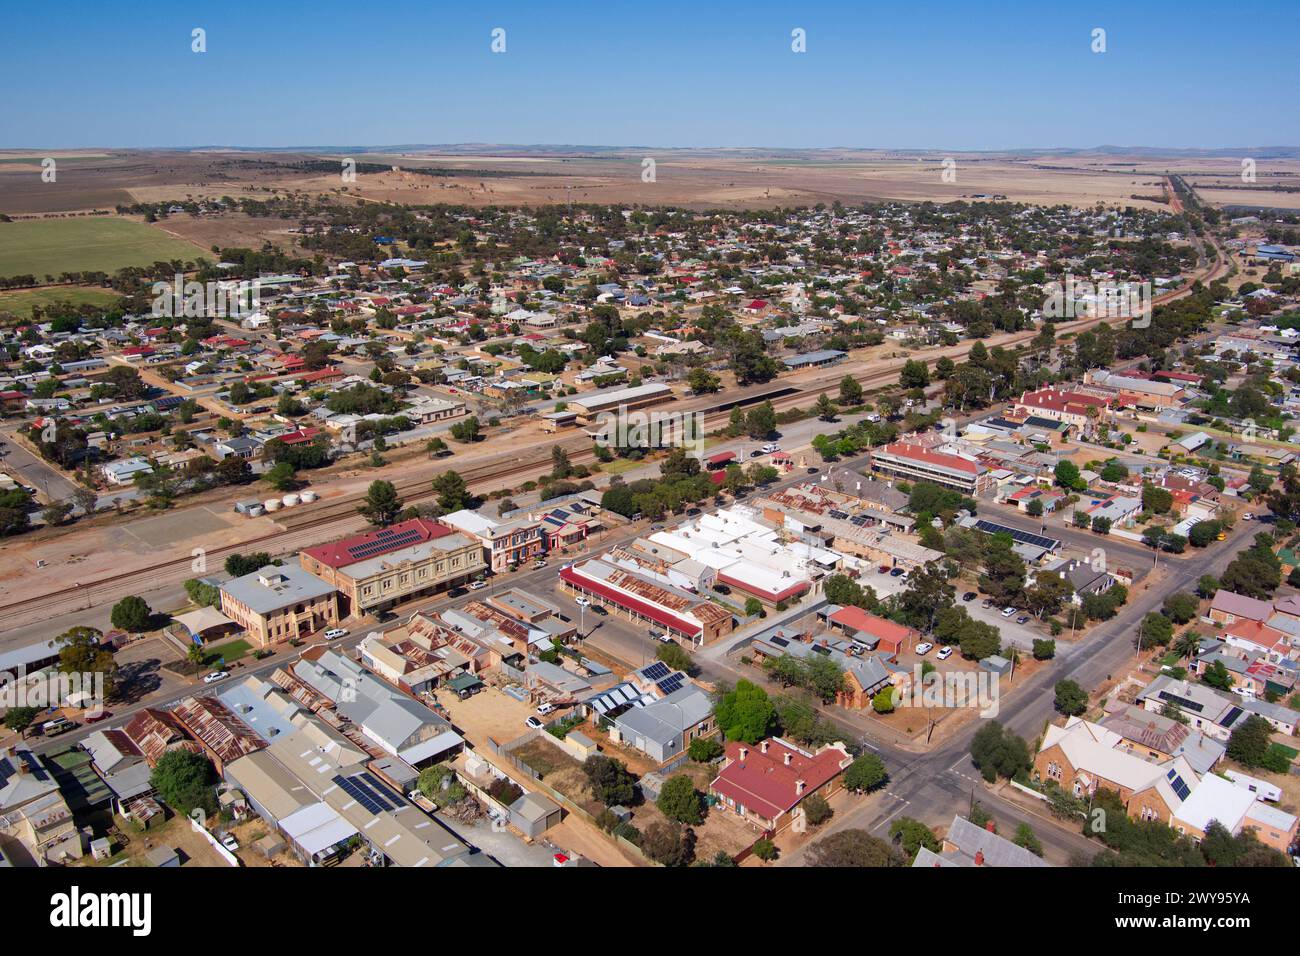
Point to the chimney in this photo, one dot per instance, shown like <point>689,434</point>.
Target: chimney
<point>763,746</point>
<point>979,857</point>
<point>744,752</point>
<point>788,757</point>
<point>799,786</point>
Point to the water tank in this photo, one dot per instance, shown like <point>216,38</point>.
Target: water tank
<point>255,511</point>
<point>289,500</point>
<point>272,504</point>
<point>308,497</point>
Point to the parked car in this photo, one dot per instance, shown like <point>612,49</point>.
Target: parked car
<point>96,718</point>
<point>771,448</point>
<point>944,652</point>
<point>1008,611</point>
<point>229,842</point>
<point>883,569</point>
<point>598,610</point>
<point>813,471</point>
<point>969,596</point>
<point>656,634</point>
<point>216,676</point>
<point>925,647</point>
<point>532,723</point>
<point>581,602</point>
<point>986,603</point>
<point>334,632</point>
<point>59,725</point>
<point>1023,619</point>
<point>545,709</point>
<point>896,572</point>
<point>477,585</point>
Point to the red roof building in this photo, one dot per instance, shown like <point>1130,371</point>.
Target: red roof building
<point>372,544</point>
<point>890,637</point>
<point>765,783</point>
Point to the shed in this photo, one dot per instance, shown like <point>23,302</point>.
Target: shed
<point>163,856</point>
<point>533,814</point>
<point>996,664</point>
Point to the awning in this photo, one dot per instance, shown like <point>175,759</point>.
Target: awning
<point>204,619</point>
<point>317,827</point>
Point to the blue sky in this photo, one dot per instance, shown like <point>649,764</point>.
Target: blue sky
<point>937,74</point>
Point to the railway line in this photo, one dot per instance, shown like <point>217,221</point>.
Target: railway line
<point>339,516</point>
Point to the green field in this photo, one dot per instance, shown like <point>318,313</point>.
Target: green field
<point>21,301</point>
<point>86,244</point>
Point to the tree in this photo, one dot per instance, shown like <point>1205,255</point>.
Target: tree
<point>237,565</point>
<point>816,809</point>
<point>760,422</point>
<point>765,850</point>
<point>680,801</point>
<point>914,374</point>
<point>853,848</point>
<point>670,844</point>
<point>1156,499</point>
<point>1071,699</point>
<point>20,718</point>
<point>131,614</point>
<point>866,773</point>
<point>610,782</point>
<point>281,476</point>
<point>746,713</point>
<point>1204,533</point>
<point>702,381</point>
<point>382,504</point>
<point>1067,475</point>
<point>928,593</point>
<point>753,607</point>
<point>81,651</point>
<point>466,430</point>
<point>1154,629</point>
<point>1181,607</point>
<point>1249,743</point>
<point>996,751</point>
<point>185,781</point>
<point>850,391</point>
<point>1044,650</point>
<point>1025,837</point>
<point>1218,675</point>
<point>453,494</point>
<point>705,749</point>
<point>825,408</point>
<point>883,701</point>
<point>911,835</point>
<point>1207,586</point>
<point>56,513</point>
<point>675,657</point>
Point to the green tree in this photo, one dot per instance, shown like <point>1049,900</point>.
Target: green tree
<point>883,701</point>
<point>676,657</point>
<point>865,774</point>
<point>131,614</point>
<point>610,782</point>
<point>186,781</point>
<point>680,801</point>
<point>914,374</point>
<point>20,718</point>
<point>996,751</point>
<point>81,651</point>
<point>382,504</point>
<point>704,749</point>
<point>1071,699</point>
<point>1181,607</point>
<point>911,835</point>
<point>281,476</point>
<point>453,494</point>
<point>816,809</point>
<point>746,713</point>
<point>850,391</point>
<point>1249,743</point>
<point>853,848</point>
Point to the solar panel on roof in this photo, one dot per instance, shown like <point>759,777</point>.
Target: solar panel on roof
<point>1182,702</point>
<point>1232,714</point>
<point>1023,537</point>
<point>1179,786</point>
<point>671,684</point>
<point>841,515</point>
<point>656,671</point>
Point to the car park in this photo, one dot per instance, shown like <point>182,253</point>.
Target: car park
<point>216,676</point>
<point>944,653</point>
<point>334,632</point>
<point>925,647</point>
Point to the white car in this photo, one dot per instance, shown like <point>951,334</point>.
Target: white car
<point>475,585</point>
<point>582,602</point>
<point>334,632</point>
<point>545,709</point>
<point>229,842</point>
<point>216,676</point>
<point>944,653</point>
<point>532,723</point>
<point>771,448</point>
<point>925,647</point>
<point>1008,611</point>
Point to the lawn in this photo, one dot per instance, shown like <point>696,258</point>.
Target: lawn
<point>86,244</point>
<point>230,651</point>
<point>21,301</point>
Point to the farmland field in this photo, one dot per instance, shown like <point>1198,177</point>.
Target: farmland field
<point>102,244</point>
<point>21,301</point>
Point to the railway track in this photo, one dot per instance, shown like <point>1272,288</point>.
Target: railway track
<point>340,516</point>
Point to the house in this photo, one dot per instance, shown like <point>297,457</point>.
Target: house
<point>663,730</point>
<point>1236,809</point>
<point>915,462</point>
<point>673,609</point>
<point>872,632</point>
<point>124,472</point>
<point>506,544</point>
<point>1228,607</point>
<point>965,844</point>
<point>33,812</point>
<point>282,603</point>
<point>764,784</point>
<point>1205,709</point>
<point>1156,737</point>
<point>375,570</point>
<point>1082,758</point>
